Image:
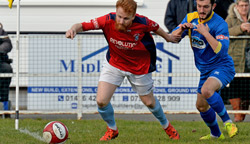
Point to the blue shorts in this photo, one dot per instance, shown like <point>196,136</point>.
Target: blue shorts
<point>223,74</point>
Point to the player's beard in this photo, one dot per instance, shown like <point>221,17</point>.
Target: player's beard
<point>207,16</point>
<point>120,27</point>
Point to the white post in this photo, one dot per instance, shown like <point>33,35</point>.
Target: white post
<point>17,65</point>
<point>79,87</point>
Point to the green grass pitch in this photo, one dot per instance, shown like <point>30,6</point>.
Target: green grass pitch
<point>130,132</point>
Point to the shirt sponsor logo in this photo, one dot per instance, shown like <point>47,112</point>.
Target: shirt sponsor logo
<point>122,44</point>
<point>222,37</point>
<point>198,43</point>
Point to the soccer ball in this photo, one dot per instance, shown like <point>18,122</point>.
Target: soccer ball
<point>55,132</point>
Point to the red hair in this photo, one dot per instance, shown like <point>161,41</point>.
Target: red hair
<point>129,6</point>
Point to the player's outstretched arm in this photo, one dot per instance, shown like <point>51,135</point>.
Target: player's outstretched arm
<point>71,33</point>
<point>166,36</point>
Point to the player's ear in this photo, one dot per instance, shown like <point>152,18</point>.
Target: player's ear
<point>214,5</point>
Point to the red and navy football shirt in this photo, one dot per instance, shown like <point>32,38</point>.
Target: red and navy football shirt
<point>132,51</point>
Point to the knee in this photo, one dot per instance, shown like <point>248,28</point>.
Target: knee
<point>207,93</point>
<point>101,103</point>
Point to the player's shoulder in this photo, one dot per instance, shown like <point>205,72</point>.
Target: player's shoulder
<point>111,16</point>
<point>140,19</point>
<point>218,21</point>
<point>218,25</point>
<point>218,18</point>
<point>191,16</point>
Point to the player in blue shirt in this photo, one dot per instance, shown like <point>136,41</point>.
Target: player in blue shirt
<point>209,38</point>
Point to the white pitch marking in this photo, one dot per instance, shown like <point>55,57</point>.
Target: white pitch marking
<point>33,134</point>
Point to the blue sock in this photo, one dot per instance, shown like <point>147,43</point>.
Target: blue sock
<point>107,114</point>
<point>216,102</point>
<point>6,105</point>
<point>158,112</point>
<point>209,118</point>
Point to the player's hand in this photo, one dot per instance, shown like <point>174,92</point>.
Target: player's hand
<point>181,29</point>
<point>202,29</point>
<point>174,38</point>
<point>70,34</point>
<point>186,26</point>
